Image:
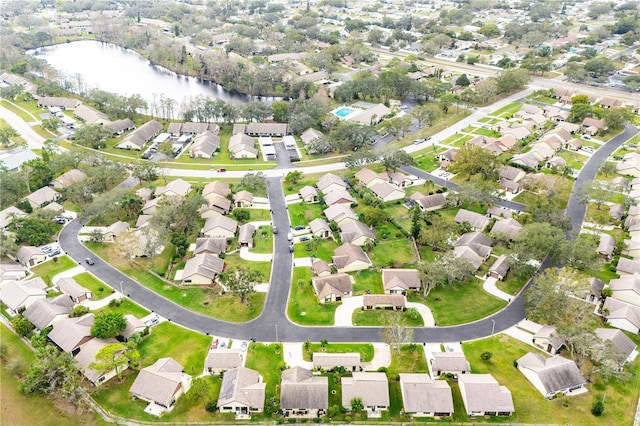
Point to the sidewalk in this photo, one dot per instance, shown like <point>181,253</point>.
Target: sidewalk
<point>254,257</point>
<point>68,273</point>
<point>344,312</point>
<point>490,287</point>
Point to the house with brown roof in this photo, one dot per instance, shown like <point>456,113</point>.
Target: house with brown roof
<point>222,359</point>
<point>500,268</point>
<point>205,145</point>
<point>606,246</point>
<point>243,199</point>
<point>42,197</point>
<point>400,281</point>
<point>371,388</point>
<point>447,157</point>
<point>593,125</point>
<point>473,246</point>
<point>45,312</point>
<point>320,228</point>
<point>622,315</point>
<point>626,289</point>
<point>424,397</point>
<point>333,288</point>
<point>161,383</point>
<point>220,227</point>
<point>202,269</point>
<point>137,139</point>
<point>68,179</point>
<point>428,203</point>
<point>339,197</point>
<point>326,361</point>
<point>548,340</point>
<point>216,187</point>
<point>551,376</point>
<point>30,256</point>
<point>624,348</point>
<point>350,258</point>
<point>330,182</point>
<point>70,287</point>
<point>310,135</point>
<point>355,232</point>
<point>309,194</point>
<point>19,295</point>
<point>217,205</point>
<point>476,220</point>
<point>339,213</point>
<point>402,180</point>
<point>242,146</point>
<point>175,188</point>
<point>369,178</point>
<point>302,394</point>
<point>245,235</point>
<point>242,392</point>
<point>384,301</point>
<point>449,363</point>
<point>482,395</point>
<point>320,268</point>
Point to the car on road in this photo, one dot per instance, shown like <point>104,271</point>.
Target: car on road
<point>299,228</point>
<point>215,343</point>
<point>419,141</point>
<point>290,248</point>
<point>290,236</point>
<point>222,170</point>
<point>275,230</point>
<point>89,261</point>
<point>55,253</point>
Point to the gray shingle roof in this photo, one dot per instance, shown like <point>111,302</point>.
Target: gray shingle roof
<point>242,385</point>
<point>159,382</point>
<point>555,373</point>
<point>301,389</point>
<point>420,394</point>
<point>373,388</point>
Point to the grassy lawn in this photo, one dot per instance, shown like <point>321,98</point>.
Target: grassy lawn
<point>51,268</point>
<point>364,349</point>
<point>447,120</point>
<point>303,213</point>
<point>456,140</point>
<point>263,240</point>
<point>99,290</point>
<point>324,249</point>
<point>127,307</point>
<point>575,161</point>
<point>544,99</point>
<point>532,407</point>
<point>303,307</point>
<point>427,161</point>
<point>508,111</point>
<point>267,360</point>
<point>24,115</point>
<point>18,409</point>
<point>166,339</point>
<point>462,303</point>
<point>411,359</point>
<point>393,252</point>
<point>512,284</point>
<point>234,261</point>
<point>487,132</point>
<point>378,317</point>
<point>368,280</point>
<point>206,301</point>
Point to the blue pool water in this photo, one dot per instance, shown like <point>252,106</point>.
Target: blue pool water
<point>343,112</point>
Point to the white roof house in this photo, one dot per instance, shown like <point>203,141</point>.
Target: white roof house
<point>482,395</point>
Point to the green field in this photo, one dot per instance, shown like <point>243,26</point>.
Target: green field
<point>53,267</point>
<point>303,307</point>
<point>508,110</point>
<point>99,290</point>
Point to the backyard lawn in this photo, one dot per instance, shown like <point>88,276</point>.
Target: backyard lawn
<point>461,303</point>
<point>368,280</point>
<point>53,267</point>
<point>532,407</point>
<point>263,240</point>
<point>303,307</point>
<point>380,317</point>
<point>126,307</point>
<point>508,110</point>
<point>267,360</point>
<point>303,213</point>
<point>364,349</point>
<point>323,250</point>
<point>411,359</point>
<point>99,290</point>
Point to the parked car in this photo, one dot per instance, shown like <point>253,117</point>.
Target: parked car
<point>215,343</point>
<point>46,249</point>
<point>304,238</point>
<point>55,253</point>
<point>299,228</point>
<point>222,170</point>
<point>290,248</point>
<point>244,346</point>
<point>153,321</point>
<point>89,261</point>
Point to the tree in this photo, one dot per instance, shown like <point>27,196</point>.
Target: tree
<point>78,311</point>
<point>293,177</point>
<point>241,281</point>
<point>597,191</point>
<point>374,216</point>
<point>8,246</point>
<point>108,324</point>
<point>396,159</point>
<point>111,357</point>
<point>92,136</point>
<point>608,168</point>
<point>597,408</point>
<point>512,80</point>
<point>242,215</point>
<point>398,125</point>
<point>486,356</point>
<point>35,231</point>
<point>146,171</point>
<point>614,118</point>
<point>6,133</point>
<point>22,326</point>
<point>463,81</point>
<point>280,111</point>
<point>181,242</point>
<point>437,232</point>
<point>444,270</point>
<point>600,66</point>
<point>254,182</point>
<point>537,240</point>
<point>427,114</point>
<point>396,333</point>
<point>472,160</point>
<point>359,159</point>
<point>356,404</point>
<point>51,124</point>
<point>199,390</point>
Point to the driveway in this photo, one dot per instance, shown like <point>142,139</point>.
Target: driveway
<point>34,140</point>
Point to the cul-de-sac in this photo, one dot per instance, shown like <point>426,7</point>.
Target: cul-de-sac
<point>322,211</point>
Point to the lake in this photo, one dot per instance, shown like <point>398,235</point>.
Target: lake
<point>117,70</point>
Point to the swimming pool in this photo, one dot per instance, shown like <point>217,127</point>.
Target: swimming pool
<point>343,112</point>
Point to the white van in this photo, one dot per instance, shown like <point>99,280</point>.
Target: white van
<point>290,236</point>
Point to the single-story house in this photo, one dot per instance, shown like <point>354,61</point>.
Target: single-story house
<point>625,348</point>
<point>220,226</point>
<point>340,196</point>
<point>333,288</point>
<point>369,178</point>
<point>69,334</point>
<point>90,115</point>
<point>220,360</point>
<point>632,248</point>
<point>242,392</point>
<point>384,301</point>
<point>216,187</point>
<point>204,145</point>
<point>403,181</point>
<point>261,129</point>
<point>242,146</point>
<point>424,397</point>
<point>309,194</point>
<point>350,361</point>
<point>320,268</point>
<point>511,173</point>
<point>30,256</point>
<point>161,383</point>
<point>339,213</point>
<point>302,394</point>
<point>87,356</point>
<point>134,325</point>
<point>10,271</point>
<point>473,246</point>
<point>477,221</point>
<point>243,199</point>
<point>19,295</point>
<point>245,235</point>
<point>45,312</point>
<point>175,188</point>
<point>330,182</point>
<point>621,315</point>
<point>427,203</point>
<point>355,232</point>
<point>69,286</point>
<point>139,137</point>
<point>310,135</point>
<point>372,115</point>
<point>400,281</point>
<point>551,376</point>
<point>627,266</point>
<point>213,246</point>
<point>627,289</point>
<point>58,102</point>
<point>320,228</point>
<point>144,193</point>
<point>202,269</point>
<point>630,165</point>
<point>118,127</point>
<point>68,179</point>
<point>15,158</point>
<point>372,388</point>
<point>7,215</point>
<point>606,246</point>
<point>42,197</point>
<point>217,205</point>
<point>548,340</point>
<point>449,363</point>
<point>595,290</point>
<point>617,211</point>
<point>482,395</point>
<point>499,268</point>
<point>151,206</point>
<point>509,227</point>
<point>349,258</point>
<point>387,192</point>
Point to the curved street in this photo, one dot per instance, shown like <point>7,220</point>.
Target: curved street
<point>273,323</point>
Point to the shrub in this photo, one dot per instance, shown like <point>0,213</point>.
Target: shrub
<point>597,408</point>
<point>212,406</point>
<point>486,356</point>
